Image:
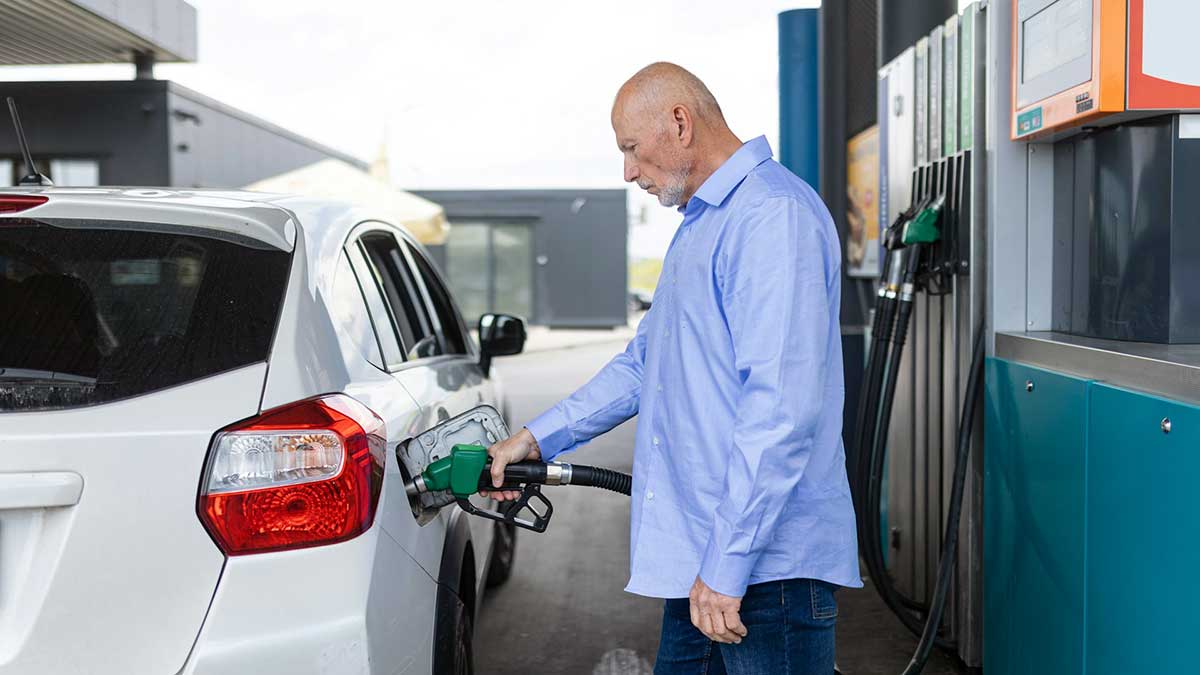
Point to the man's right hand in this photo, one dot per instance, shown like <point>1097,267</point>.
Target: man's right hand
<point>518,447</point>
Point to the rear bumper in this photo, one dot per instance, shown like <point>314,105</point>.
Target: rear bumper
<point>362,606</point>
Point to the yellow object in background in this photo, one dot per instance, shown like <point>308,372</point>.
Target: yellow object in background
<point>862,204</point>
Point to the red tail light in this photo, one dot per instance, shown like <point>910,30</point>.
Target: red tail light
<point>15,203</point>
<point>305,474</point>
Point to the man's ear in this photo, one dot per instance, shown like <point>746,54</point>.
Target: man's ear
<point>681,118</point>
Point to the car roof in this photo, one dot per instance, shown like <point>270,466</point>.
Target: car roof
<point>265,217</point>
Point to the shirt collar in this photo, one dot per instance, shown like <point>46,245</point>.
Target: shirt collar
<point>733,171</point>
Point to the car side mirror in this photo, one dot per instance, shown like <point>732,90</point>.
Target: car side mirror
<point>499,335</point>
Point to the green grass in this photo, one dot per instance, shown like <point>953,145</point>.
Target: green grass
<point>644,273</point>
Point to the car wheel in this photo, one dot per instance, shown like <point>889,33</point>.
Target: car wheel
<point>463,630</point>
<point>504,553</point>
<point>453,653</point>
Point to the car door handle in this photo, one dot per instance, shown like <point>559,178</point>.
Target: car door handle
<point>39,490</point>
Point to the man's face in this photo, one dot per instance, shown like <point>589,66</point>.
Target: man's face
<point>654,158</point>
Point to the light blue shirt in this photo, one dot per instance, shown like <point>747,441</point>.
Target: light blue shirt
<point>735,374</point>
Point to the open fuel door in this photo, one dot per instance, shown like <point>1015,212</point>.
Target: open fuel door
<point>459,444</point>
<point>482,425</point>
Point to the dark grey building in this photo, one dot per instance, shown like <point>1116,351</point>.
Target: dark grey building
<point>147,132</point>
<point>556,257</point>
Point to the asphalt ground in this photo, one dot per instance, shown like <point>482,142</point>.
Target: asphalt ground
<point>565,611</point>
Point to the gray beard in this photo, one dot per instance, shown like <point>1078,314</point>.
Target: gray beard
<point>672,193</point>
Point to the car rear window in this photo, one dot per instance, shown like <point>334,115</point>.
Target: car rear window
<point>95,311</point>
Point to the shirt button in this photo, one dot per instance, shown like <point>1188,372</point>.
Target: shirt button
<point>656,440</point>
<point>650,494</point>
<point>659,387</point>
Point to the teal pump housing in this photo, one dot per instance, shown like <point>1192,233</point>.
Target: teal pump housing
<point>1090,539</point>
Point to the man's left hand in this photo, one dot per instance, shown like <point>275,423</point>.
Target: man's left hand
<point>716,615</point>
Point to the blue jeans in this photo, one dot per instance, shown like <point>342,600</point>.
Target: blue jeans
<point>789,628</point>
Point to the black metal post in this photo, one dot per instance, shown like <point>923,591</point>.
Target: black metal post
<point>143,63</point>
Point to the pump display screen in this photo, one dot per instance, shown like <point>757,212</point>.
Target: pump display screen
<point>1054,47</point>
<point>1056,36</point>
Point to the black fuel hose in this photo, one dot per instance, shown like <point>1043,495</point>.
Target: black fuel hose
<point>868,407</point>
<point>599,477</point>
<point>966,426</point>
<point>521,473</point>
<point>873,549</point>
<point>881,329</point>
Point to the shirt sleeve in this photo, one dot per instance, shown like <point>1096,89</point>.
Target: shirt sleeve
<point>608,399</point>
<point>777,263</point>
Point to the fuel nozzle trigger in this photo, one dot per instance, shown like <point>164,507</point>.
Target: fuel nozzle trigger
<point>512,512</point>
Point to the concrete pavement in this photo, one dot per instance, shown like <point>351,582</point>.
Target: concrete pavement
<point>564,611</point>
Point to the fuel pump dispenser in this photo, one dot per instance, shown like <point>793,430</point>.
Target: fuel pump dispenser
<point>918,411</point>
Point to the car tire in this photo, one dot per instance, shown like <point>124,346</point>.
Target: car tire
<point>504,554</point>
<point>453,651</point>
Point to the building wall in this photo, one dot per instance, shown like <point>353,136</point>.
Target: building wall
<point>154,133</point>
<point>579,240</point>
<point>122,125</point>
<point>215,145</point>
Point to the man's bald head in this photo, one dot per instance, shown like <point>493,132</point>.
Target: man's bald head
<point>654,90</point>
<point>671,131</point>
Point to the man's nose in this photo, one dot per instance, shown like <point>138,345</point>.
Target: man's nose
<point>631,172</point>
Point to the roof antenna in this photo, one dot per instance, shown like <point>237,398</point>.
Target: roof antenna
<point>31,177</point>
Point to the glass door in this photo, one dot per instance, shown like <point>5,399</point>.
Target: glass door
<point>512,269</point>
<point>468,268</point>
<point>489,267</point>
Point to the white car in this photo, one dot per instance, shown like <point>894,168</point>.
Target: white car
<point>204,397</point>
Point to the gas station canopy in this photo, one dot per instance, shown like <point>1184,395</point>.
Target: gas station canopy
<point>335,179</point>
<point>48,32</point>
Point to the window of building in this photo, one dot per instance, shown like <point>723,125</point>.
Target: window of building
<point>489,266</point>
<point>74,172</point>
<point>64,172</point>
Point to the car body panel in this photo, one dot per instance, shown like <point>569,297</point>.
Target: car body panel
<point>448,387</point>
<point>242,213</point>
<point>133,544</point>
<point>360,606</point>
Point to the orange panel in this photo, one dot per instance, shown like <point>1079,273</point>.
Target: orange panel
<point>1095,98</point>
<point>1145,91</point>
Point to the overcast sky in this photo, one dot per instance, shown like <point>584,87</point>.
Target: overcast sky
<point>478,93</point>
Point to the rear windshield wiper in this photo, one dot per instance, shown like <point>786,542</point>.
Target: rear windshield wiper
<point>43,376</point>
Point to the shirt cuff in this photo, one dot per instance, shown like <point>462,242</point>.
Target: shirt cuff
<point>726,573</point>
<point>552,432</point>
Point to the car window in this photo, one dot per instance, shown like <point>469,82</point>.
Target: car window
<point>385,330</point>
<point>349,309</point>
<point>449,323</point>
<point>93,311</point>
<point>405,303</point>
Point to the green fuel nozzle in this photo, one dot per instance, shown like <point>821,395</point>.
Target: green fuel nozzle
<point>467,470</point>
<point>459,472</point>
<point>923,229</point>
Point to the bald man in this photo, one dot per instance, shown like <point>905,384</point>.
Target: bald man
<point>741,518</point>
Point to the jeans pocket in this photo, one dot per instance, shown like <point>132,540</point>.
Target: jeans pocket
<point>824,604</point>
